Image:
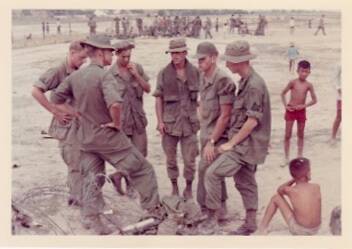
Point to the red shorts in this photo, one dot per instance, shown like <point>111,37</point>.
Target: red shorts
<point>300,115</point>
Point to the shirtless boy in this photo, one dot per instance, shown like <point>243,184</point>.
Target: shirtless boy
<point>303,211</point>
<point>296,107</point>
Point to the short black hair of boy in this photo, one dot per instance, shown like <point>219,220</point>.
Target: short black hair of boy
<point>303,64</point>
<point>299,167</point>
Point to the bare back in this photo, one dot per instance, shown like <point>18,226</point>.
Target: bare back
<point>299,92</point>
<point>306,202</point>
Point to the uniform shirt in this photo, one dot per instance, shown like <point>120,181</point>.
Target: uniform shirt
<point>218,89</point>
<point>252,100</point>
<point>179,110</point>
<point>133,116</point>
<point>93,91</point>
<point>48,81</point>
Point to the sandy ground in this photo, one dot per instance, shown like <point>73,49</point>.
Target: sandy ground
<point>37,184</point>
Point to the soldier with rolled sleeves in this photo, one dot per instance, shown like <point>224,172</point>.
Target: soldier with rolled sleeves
<point>249,136</point>
<point>176,108</point>
<point>132,79</point>
<point>62,126</point>
<point>98,103</point>
<point>217,93</point>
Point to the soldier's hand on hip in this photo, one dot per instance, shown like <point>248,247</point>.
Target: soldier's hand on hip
<point>61,116</point>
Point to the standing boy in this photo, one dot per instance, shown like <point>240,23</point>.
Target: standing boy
<point>296,108</point>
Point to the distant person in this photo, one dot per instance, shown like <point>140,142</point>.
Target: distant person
<point>43,29</point>
<point>58,26</point>
<point>309,23</point>
<point>321,25</point>
<point>296,107</point>
<point>262,23</point>
<point>117,26</point>
<point>207,28</point>
<point>92,24</point>
<point>292,53</point>
<point>217,25</point>
<point>338,117</point>
<point>302,213</point>
<point>47,28</point>
<point>292,25</point>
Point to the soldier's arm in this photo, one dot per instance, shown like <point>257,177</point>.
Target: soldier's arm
<point>112,94</point>
<point>158,94</point>
<point>140,76</point>
<point>226,92</point>
<point>244,132</point>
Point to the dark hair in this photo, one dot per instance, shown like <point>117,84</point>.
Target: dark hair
<point>299,167</point>
<point>304,64</point>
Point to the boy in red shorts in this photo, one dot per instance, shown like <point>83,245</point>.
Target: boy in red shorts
<point>296,107</point>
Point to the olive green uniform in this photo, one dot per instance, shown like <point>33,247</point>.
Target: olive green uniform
<point>215,91</point>
<point>180,117</point>
<point>94,91</point>
<point>252,100</point>
<point>133,118</point>
<point>66,134</point>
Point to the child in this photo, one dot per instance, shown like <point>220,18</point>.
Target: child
<point>292,53</point>
<point>296,108</point>
<point>303,211</point>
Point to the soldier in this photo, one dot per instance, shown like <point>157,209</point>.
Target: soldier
<point>92,25</point>
<point>249,136</point>
<point>176,108</point>
<point>98,101</point>
<point>58,26</point>
<point>217,25</point>
<point>117,26</point>
<point>125,27</point>
<point>262,23</point>
<point>217,93</point>
<point>43,29</point>
<point>139,22</point>
<point>131,77</point>
<point>47,28</point>
<point>61,127</point>
<point>207,28</point>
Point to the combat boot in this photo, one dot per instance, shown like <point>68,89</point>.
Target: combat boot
<point>250,224</point>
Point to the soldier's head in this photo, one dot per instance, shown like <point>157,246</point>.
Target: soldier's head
<point>237,56</point>
<point>99,49</point>
<point>77,54</point>
<point>178,50</point>
<point>123,51</point>
<point>300,168</point>
<point>207,55</point>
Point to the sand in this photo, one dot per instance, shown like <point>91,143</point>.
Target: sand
<point>40,164</point>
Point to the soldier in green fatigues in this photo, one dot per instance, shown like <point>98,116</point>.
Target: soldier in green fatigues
<point>217,93</point>
<point>132,79</point>
<point>62,126</point>
<point>98,101</point>
<point>176,108</point>
<point>249,136</point>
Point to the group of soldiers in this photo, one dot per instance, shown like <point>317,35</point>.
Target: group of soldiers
<point>164,26</point>
<point>99,117</point>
